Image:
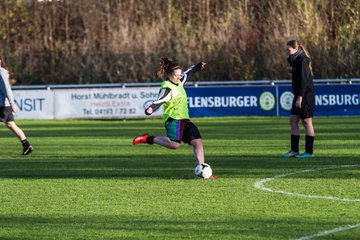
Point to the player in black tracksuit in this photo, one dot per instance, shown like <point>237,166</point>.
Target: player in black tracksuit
<point>304,99</point>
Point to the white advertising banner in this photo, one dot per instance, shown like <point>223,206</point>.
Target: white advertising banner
<point>104,103</point>
<point>34,104</point>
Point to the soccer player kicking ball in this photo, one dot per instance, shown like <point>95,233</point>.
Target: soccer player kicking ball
<point>176,114</point>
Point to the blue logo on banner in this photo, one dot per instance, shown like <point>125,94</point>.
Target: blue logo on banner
<point>286,99</point>
<point>267,101</point>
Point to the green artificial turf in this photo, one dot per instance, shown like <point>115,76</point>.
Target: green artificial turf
<point>85,180</point>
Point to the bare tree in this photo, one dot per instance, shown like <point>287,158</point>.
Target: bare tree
<point>91,41</point>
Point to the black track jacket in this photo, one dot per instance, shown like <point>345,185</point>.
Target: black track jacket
<point>302,80</point>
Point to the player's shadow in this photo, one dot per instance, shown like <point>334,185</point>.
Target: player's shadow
<point>164,166</point>
<point>68,159</point>
<point>81,227</point>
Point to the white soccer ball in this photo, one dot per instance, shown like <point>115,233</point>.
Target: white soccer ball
<point>203,171</point>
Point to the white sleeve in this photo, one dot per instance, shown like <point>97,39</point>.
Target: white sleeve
<point>5,87</point>
<point>183,76</point>
<point>164,96</point>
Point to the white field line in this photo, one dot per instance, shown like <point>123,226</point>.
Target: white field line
<point>327,232</point>
<point>260,185</point>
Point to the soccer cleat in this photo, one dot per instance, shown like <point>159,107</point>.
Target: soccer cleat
<point>28,150</point>
<point>304,155</point>
<point>290,154</point>
<point>140,139</point>
<point>214,177</point>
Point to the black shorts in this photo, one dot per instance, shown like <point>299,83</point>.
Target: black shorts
<point>307,106</point>
<point>6,114</point>
<point>181,130</point>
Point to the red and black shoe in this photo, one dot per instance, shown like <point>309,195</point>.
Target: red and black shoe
<point>140,139</point>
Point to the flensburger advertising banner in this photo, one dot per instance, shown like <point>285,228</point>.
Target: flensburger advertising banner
<point>127,103</point>
<point>232,101</point>
<point>330,100</point>
<point>34,104</point>
<point>104,103</point>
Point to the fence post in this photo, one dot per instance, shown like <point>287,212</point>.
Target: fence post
<point>277,101</point>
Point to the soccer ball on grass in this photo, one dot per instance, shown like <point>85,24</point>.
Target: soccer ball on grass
<point>203,171</point>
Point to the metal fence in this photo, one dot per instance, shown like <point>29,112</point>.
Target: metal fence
<point>194,84</point>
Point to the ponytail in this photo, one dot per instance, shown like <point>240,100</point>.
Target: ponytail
<point>167,67</point>
<point>164,63</point>
<point>307,55</point>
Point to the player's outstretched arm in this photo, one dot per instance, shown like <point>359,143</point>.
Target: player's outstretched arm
<point>193,69</point>
<point>164,96</point>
